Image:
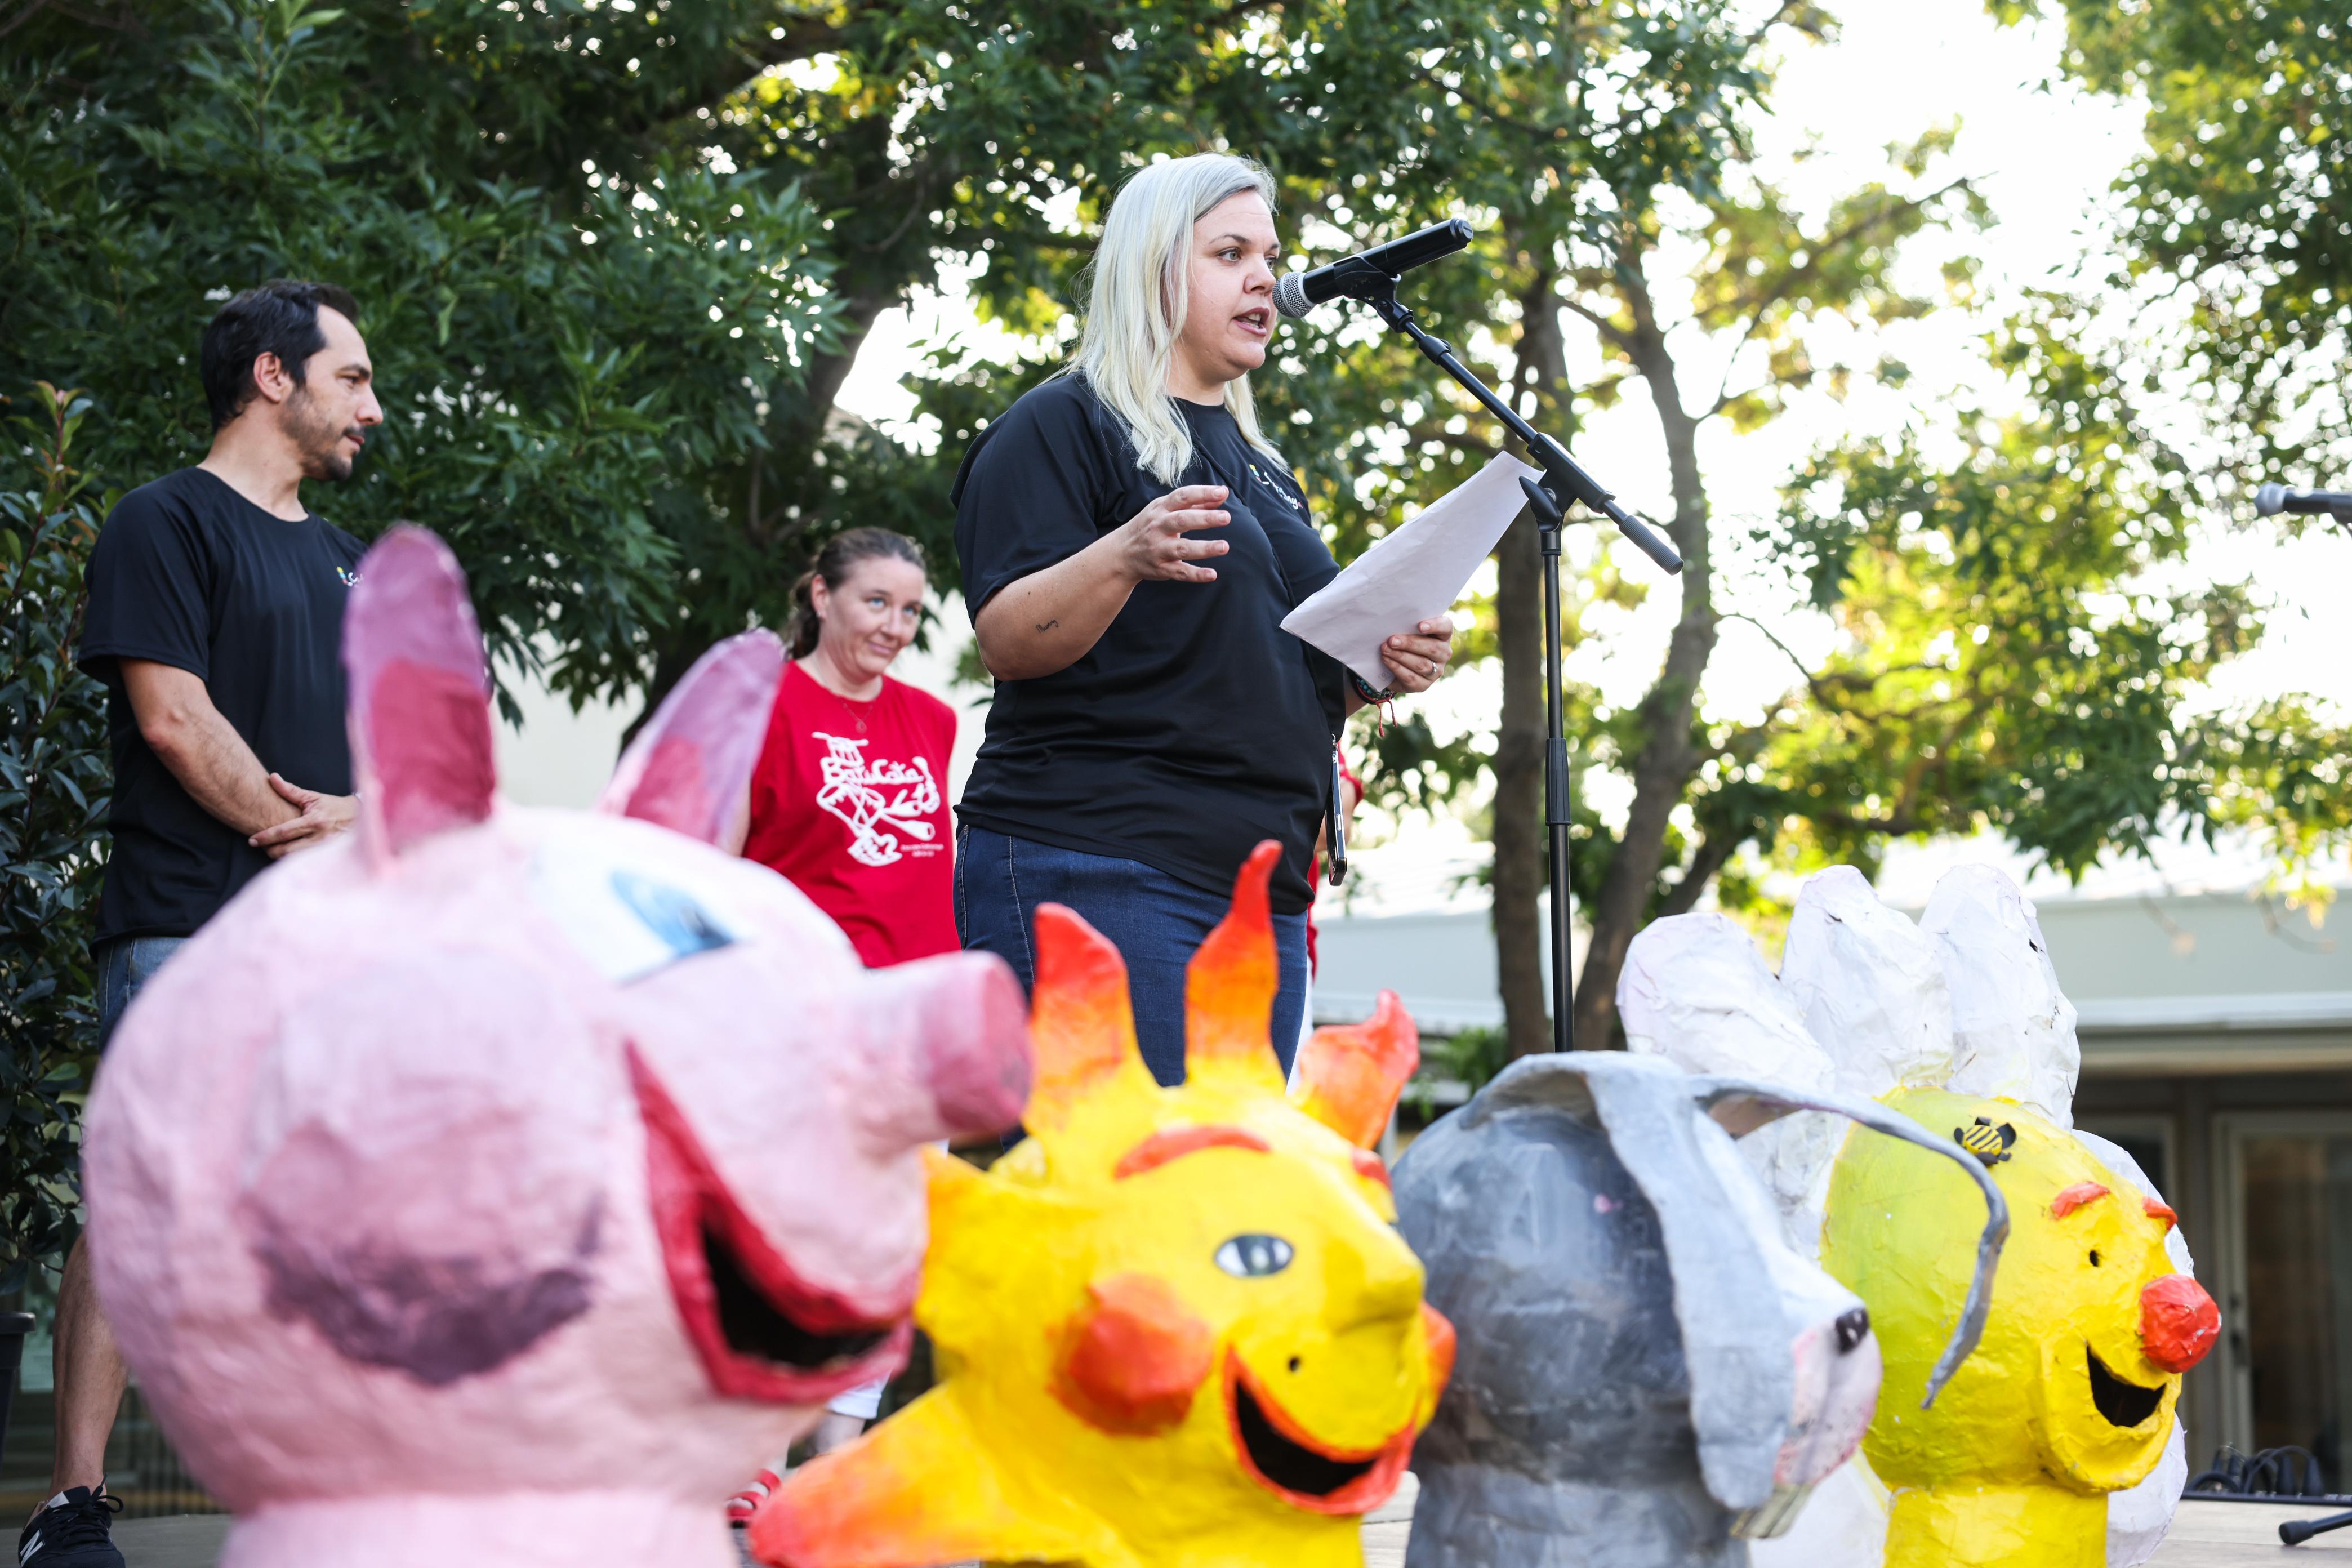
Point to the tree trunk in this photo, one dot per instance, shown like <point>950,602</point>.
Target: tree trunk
<point>828,372</point>
<point>1518,831</point>
<point>1667,760</point>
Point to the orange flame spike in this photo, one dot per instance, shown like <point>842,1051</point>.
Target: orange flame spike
<point>1230,984</point>
<point>1081,1022</point>
<point>1350,1075</point>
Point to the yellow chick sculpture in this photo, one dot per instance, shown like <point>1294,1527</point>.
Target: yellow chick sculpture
<point>2070,1393</point>
<point>1175,1327</point>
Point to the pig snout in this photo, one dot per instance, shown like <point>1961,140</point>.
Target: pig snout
<point>1837,1375</point>
<point>2178,1322</point>
<point>952,1044</point>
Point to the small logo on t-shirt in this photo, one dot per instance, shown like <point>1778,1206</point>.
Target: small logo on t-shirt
<point>870,795</point>
<point>350,579</point>
<point>1265,483</point>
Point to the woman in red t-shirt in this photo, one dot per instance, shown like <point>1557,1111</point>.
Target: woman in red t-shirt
<point>849,800</point>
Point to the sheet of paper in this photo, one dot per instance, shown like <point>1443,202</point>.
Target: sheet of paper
<point>1415,574</point>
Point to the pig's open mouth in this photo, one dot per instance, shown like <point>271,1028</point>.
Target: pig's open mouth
<point>2121,1403</point>
<point>761,1330</point>
<point>753,1326</point>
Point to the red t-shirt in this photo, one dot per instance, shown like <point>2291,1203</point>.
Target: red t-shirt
<point>849,802</point>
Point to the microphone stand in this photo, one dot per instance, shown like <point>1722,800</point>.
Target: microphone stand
<point>1563,483</point>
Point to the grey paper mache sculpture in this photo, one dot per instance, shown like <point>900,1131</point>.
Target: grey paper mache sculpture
<point>1648,1375</point>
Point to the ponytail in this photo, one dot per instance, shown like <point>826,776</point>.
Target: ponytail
<point>801,631</point>
<point>833,563</point>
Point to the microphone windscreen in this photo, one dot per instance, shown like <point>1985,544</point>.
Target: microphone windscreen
<point>2268,500</point>
<point>1290,295</point>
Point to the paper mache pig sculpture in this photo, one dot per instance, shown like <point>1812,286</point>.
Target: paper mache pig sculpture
<point>2056,1444</point>
<point>500,1186</point>
<point>1175,1326</point>
<point>1648,1374</point>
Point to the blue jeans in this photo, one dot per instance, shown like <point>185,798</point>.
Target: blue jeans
<point>125,964</point>
<point>1154,920</point>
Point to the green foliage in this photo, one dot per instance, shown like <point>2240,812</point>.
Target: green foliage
<point>2237,213</point>
<point>567,347</point>
<point>1611,144</point>
<point>1471,1057</point>
<point>54,781</point>
<point>2008,662</point>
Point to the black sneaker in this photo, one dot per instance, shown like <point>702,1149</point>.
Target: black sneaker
<point>76,1532</point>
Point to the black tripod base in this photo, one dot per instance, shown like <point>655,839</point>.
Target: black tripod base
<point>2295,1531</point>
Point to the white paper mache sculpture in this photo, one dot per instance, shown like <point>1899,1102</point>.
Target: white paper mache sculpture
<point>1867,1002</point>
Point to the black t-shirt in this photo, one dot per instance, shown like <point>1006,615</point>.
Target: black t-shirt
<point>1196,727</point>
<point>188,572</point>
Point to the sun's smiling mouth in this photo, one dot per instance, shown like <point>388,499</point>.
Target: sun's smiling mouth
<point>761,1331</point>
<point>1278,1454</point>
<point>2120,1403</point>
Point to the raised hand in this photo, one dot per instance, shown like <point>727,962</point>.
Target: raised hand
<point>1155,545</point>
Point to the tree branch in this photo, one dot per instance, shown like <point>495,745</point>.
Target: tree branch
<point>1787,652</point>
<point>1787,282</point>
<point>1788,8</point>
<point>802,36</point>
<point>1714,851</point>
<point>1613,335</point>
<point>125,20</point>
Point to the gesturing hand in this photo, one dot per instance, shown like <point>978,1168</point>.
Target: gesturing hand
<point>1417,661</point>
<point>1156,546</point>
<point>323,816</point>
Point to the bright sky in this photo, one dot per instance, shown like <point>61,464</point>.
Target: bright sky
<point>2044,155</point>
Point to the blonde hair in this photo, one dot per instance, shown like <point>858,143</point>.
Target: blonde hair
<point>1136,296</point>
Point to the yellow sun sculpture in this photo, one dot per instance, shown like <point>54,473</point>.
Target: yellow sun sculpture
<point>2070,1394</point>
<point>1175,1327</point>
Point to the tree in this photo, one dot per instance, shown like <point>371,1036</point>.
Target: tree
<point>2236,232</point>
<point>945,135</point>
<point>2066,713</point>
<point>1603,147</point>
<point>2064,718</point>
<point>566,357</point>
<point>55,779</point>
<point>2007,664</point>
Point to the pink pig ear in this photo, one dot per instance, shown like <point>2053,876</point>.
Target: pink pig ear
<point>688,768</point>
<point>420,695</point>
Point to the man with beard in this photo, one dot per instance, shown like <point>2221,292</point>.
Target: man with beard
<point>216,622</point>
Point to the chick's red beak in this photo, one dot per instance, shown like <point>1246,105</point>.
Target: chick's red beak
<point>2178,1322</point>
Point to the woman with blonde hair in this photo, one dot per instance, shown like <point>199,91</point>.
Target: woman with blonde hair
<point>1130,542</point>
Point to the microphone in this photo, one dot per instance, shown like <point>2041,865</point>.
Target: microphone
<point>2268,501</point>
<point>1295,293</point>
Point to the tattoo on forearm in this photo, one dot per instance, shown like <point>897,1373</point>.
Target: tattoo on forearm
<point>1049,625</point>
